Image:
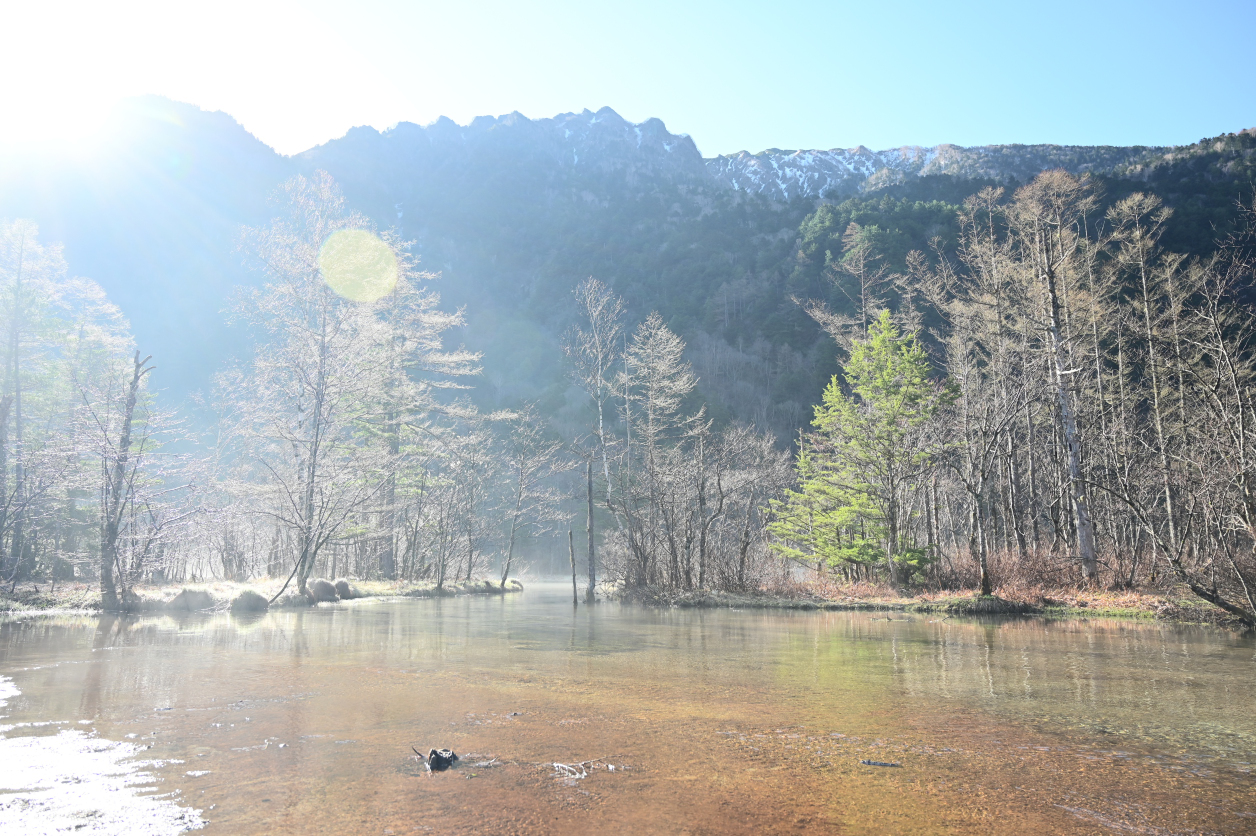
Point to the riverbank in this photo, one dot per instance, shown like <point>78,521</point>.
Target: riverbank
<point>1177,606</point>
<point>1171,605</point>
<point>219,595</point>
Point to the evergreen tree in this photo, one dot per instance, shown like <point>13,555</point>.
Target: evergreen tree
<point>873,441</point>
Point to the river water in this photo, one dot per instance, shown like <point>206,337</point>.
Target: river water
<point>668,721</point>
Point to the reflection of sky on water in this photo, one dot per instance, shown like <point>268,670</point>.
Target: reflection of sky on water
<point>1164,686</point>
<point>275,713</point>
<point>59,779</point>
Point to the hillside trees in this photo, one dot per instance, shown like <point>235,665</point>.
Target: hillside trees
<point>1097,418</point>
<point>118,468</point>
<point>655,383</point>
<point>533,458</point>
<point>685,499</point>
<point>416,369</point>
<point>84,487</point>
<point>1049,398</point>
<point>1046,217</point>
<point>864,464</point>
<point>336,407</point>
<point>308,385</point>
<point>593,349</point>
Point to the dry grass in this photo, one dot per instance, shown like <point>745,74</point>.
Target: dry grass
<point>1022,588</point>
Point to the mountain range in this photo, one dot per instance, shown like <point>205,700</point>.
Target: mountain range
<point>513,212</point>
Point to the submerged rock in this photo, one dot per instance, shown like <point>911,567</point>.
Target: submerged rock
<point>191,600</point>
<point>320,590</point>
<point>293,600</point>
<point>249,601</point>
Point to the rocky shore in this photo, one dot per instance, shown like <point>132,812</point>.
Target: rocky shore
<point>220,596</point>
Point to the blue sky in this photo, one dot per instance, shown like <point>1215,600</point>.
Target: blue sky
<point>732,75</point>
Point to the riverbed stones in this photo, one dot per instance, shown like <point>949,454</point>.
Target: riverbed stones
<point>321,590</point>
<point>249,601</point>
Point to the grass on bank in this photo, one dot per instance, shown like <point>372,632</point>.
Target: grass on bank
<point>1170,604</point>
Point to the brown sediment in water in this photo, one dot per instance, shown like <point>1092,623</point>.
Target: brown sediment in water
<point>715,722</point>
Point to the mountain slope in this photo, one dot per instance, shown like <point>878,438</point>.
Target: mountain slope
<point>513,212</point>
<point>154,216</point>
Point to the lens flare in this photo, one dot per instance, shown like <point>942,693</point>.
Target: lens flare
<point>358,265</point>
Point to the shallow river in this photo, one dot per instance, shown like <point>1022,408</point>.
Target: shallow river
<point>669,721</point>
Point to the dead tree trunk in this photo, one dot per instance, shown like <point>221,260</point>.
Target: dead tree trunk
<point>1068,421</point>
<point>114,507</point>
<point>571,552</point>
<point>589,595</point>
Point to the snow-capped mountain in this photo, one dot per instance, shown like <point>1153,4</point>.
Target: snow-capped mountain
<point>784,175</point>
<point>604,143</point>
<point>582,143</point>
<point>512,211</point>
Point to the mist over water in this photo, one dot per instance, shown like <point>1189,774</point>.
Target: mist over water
<point>714,720</point>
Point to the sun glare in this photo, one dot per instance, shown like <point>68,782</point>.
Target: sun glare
<point>358,265</point>
<point>62,128</point>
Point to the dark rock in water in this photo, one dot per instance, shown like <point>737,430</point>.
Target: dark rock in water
<point>439,760</point>
<point>346,590</point>
<point>293,600</point>
<point>249,601</point>
<point>191,600</point>
<point>320,590</point>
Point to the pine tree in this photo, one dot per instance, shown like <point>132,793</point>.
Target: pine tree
<point>872,443</point>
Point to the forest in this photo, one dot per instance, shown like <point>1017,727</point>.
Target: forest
<point>1063,401</point>
<point>345,445</point>
<point>1035,385</point>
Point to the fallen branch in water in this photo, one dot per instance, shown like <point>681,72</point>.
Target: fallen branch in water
<point>578,770</point>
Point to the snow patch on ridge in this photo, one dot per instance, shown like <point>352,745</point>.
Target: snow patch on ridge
<point>781,174</point>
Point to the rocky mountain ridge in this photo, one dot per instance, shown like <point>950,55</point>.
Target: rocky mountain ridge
<point>786,175</point>
<point>604,142</point>
<point>601,143</point>
<point>513,212</point>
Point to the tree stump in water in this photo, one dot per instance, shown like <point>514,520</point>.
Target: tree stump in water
<point>438,760</point>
